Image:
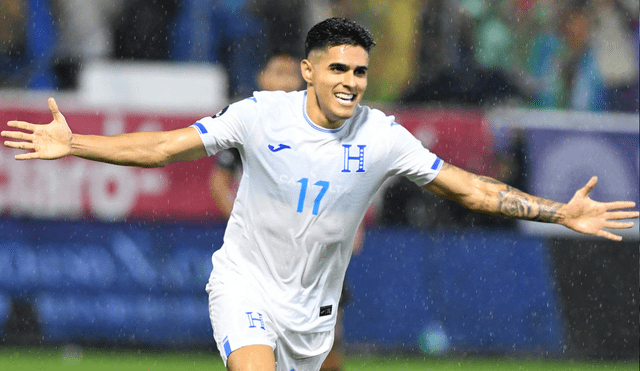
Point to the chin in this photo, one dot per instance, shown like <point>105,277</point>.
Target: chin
<point>345,114</point>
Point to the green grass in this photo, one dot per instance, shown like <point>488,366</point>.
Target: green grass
<point>72,358</point>
<point>482,364</point>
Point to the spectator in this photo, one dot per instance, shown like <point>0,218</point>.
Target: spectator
<point>541,53</point>
<point>85,34</point>
<point>564,59</point>
<point>457,78</point>
<point>224,32</point>
<point>281,72</point>
<point>27,41</point>
<point>584,87</point>
<point>614,27</point>
<point>13,41</point>
<point>142,30</point>
<point>284,24</point>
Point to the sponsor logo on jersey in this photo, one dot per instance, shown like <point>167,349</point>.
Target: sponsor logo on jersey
<point>280,147</point>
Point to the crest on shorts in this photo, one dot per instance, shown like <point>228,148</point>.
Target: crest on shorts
<point>326,310</point>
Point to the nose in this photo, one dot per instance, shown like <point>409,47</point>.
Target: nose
<point>349,79</point>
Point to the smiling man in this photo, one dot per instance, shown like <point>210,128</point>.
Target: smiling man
<point>312,163</point>
<point>336,80</point>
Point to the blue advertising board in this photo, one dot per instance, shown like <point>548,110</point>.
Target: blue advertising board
<point>138,283</point>
<point>111,282</point>
<point>565,149</point>
<point>483,291</point>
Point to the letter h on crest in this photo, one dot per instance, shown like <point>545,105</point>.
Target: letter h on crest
<point>359,158</point>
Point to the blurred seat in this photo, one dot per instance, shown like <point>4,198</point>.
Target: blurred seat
<point>5,309</point>
<point>154,85</point>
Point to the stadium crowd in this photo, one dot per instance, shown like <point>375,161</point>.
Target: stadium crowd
<point>577,54</point>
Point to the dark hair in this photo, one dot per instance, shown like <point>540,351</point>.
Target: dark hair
<point>337,31</point>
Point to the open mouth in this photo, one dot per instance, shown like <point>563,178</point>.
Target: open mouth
<point>345,97</point>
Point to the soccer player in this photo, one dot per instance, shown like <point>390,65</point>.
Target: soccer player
<point>313,161</point>
<point>280,72</point>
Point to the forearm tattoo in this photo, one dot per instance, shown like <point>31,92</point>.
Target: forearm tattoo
<point>514,203</point>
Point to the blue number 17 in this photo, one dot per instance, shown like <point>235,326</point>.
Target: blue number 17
<point>303,193</point>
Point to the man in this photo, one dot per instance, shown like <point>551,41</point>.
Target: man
<point>313,161</point>
<point>281,72</point>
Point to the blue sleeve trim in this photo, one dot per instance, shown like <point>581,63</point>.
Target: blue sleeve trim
<point>436,163</point>
<point>200,128</point>
<point>227,347</point>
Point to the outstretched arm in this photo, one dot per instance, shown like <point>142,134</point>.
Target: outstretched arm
<point>487,195</point>
<point>143,149</point>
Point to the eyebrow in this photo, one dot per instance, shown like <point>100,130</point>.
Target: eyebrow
<point>346,66</point>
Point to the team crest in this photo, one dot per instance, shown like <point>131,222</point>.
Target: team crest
<point>220,113</point>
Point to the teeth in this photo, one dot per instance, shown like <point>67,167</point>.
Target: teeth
<point>345,96</point>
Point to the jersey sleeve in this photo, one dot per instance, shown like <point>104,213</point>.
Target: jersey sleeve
<point>229,127</point>
<point>411,159</point>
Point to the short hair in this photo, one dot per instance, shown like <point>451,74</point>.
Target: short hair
<point>337,31</point>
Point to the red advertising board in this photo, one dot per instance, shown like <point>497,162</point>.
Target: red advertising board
<point>73,188</point>
<point>459,137</point>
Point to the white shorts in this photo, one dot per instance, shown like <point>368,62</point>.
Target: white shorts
<point>240,316</point>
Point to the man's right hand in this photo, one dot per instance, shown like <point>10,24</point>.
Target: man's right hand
<point>43,141</point>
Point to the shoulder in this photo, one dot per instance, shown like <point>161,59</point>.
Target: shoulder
<point>375,119</point>
<point>277,106</point>
<point>276,97</point>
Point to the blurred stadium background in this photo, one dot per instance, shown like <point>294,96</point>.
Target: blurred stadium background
<point>105,263</point>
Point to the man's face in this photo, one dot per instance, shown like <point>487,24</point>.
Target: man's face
<point>281,73</point>
<point>337,79</point>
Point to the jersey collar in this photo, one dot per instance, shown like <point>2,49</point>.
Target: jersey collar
<point>317,127</point>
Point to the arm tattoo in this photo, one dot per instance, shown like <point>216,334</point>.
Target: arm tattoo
<point>514,203</point>
<point>486,179</point>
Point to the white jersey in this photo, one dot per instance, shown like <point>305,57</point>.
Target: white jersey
<point>303,193</point>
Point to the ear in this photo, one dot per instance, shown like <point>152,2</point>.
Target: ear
<point>306,68</point>
<point>261,81</point>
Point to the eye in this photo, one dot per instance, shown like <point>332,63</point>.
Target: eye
<point>360,72</point>
<point>338,67</point>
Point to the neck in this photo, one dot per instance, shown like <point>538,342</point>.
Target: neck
<point>317,115</point>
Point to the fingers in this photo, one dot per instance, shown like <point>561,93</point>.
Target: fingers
<point>617,205</point>
<point>21,125</point>
<point>591,184</point>
<point>23,145</point>
<point>19,145</point>
<point>609,235</point>
<point>27,156</point>
<point>617,215</point>
<point>26,140</point>
<point>55,112</point>
<point>17,135</point>
<point>618,225</point>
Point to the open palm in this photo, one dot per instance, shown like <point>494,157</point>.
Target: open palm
<point>584,215</point>
<point>44,141</point>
